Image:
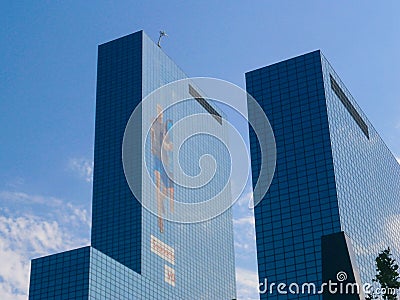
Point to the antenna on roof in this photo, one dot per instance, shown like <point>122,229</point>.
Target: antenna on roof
<point>162,33</point>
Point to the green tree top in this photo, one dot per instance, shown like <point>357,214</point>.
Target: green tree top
<point>387,275</point>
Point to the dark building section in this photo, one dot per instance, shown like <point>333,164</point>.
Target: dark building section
<point>301,205</point>
<point>339,267</point>
<point>119,91</point>
<point>61,276</point>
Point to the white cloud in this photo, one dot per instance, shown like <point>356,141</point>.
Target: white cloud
<point>25,235</point>
<point>20,197</point>
<point>24,238</point>
<point>79,214</point>
<point>244,220</point>
<point>83,167</point>
<point>69,213</point>
<point>245,236</point>
<point>247,284</point>
<point>245,249</point>
<point>246,200</point>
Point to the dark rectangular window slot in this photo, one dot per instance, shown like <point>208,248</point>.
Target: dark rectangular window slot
<point>350,108</point>
<point>203,102</point>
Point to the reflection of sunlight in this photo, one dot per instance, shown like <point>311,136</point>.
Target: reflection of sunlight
<point>370,249</point>
<point>392,229</point>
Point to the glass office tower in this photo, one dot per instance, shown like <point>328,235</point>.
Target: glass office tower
<point>333,174</point>
<point>136,254</point>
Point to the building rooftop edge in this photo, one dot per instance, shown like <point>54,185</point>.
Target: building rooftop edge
<point>285,60</point>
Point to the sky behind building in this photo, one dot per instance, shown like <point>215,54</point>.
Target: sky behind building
<point>48,83</point>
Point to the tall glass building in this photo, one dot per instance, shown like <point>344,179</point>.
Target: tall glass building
<point>335,194</point>
<point>136,253</point>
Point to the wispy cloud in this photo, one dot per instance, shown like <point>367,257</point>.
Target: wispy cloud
<point>246,200</point>
<point>53,206</point>
<point>83,167</point>
<point>27,233</point>
<point>245,239</point>
<point>245,248</point>
<point>15,182</point>
<point>79,215</point>
<point>21,197</point>
<point>249,220</point>
<point>247,284</point>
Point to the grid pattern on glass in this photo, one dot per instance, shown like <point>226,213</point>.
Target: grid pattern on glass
<point>109,279</point>
<point>346,102</point>
<point>61,276</point>
<point>86,273</point>
<point>367,179</point>
<point>203,252</point>
<point>360,175</point>
<point>301,204</point>
<point>116,215</point>
<point>126,267</point>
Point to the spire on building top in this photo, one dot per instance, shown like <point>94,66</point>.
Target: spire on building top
<point>162,33</point>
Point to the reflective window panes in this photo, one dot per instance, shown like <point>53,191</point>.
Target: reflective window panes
<point>329,177</point>
<point>136,253</point>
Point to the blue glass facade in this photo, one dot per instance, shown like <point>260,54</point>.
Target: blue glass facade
<point>367,178</point>
<point>333,174</point>
<point>204,254</point>
<point>87,273</point>
<point>61,276</point>
<point>135,255</point>
<point>116,215</point>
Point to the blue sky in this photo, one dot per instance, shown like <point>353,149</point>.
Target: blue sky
<point>48,79</point>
